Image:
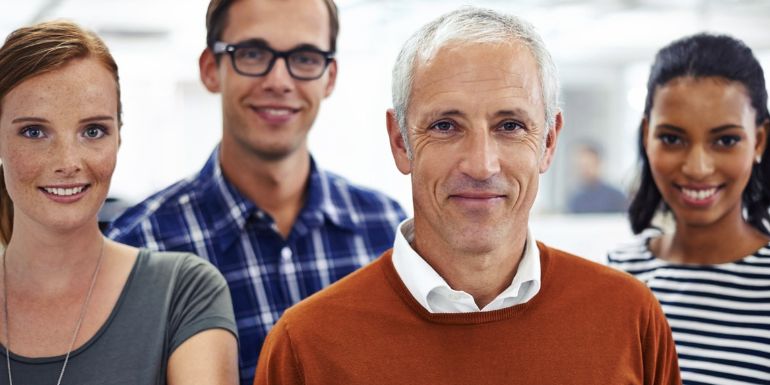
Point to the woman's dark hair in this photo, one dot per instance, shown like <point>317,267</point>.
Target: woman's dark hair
<point>699,56</point>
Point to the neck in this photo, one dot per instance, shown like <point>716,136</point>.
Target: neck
<point>483,275</point>
<point>276,186</point>
<point>728,240</point>
<point>49,260</point>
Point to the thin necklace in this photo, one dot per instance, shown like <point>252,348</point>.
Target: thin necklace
<point>77,327</point>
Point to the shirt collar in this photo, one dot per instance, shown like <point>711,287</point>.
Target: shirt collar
<point>435,295</point>
<point>222,204</point>
<point>328,198</point>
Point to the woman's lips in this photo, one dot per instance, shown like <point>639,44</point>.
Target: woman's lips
<point>699,195</point>
<point>65,193</point>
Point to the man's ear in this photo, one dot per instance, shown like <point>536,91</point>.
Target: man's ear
<point>332,80</point>
<point>550,142</point>
<point>397,145</point>
<point>209,70</point>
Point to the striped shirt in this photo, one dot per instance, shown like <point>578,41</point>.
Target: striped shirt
<point>340,229</point>
<point>719,314</point>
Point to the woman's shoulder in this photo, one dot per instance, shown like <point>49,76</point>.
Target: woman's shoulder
<point>174,266</point>
<point>171,258</point>
<point>636,249</point>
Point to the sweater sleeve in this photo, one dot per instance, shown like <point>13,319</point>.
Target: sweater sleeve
<point>278,361</point>
<point>661,365</point>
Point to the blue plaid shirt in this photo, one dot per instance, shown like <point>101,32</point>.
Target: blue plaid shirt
<point>341,228</point>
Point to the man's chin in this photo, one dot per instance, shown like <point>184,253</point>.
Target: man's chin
<point>477,241</point>
<point>272,155</point>
<point>275,152</point>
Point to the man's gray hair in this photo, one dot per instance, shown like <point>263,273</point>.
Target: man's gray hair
<point>472,25</point>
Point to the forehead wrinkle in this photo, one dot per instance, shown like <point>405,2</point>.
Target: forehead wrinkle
<point>430,76</point>
<point>517,83</point>
<point>517,92</point>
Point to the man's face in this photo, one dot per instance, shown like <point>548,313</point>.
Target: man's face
<point>269,116</point>
<point>476,124</point>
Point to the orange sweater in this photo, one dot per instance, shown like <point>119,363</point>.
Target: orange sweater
<point>588,324</point>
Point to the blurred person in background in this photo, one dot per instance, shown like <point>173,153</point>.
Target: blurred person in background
<point>593,194</point>
<point>277,225</point>
<point>78,307</point>
<point>703,145</point>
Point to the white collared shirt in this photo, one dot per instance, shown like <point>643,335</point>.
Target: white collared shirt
<point>435,295</point>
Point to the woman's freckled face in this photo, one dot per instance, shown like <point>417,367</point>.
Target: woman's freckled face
<point>59,138</point>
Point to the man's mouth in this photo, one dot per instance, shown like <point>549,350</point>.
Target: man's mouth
<point>275,111</point>
<point>275,115</point>
<point>479,196</point>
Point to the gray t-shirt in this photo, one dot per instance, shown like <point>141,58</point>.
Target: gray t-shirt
<point>168,298</point>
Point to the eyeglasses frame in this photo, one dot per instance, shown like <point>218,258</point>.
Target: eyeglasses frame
<point>222,48</point>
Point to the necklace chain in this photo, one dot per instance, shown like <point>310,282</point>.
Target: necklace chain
<point>83,310</point>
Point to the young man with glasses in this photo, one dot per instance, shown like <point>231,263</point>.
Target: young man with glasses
<point>277,226</point>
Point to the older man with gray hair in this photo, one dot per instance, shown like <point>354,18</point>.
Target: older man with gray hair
<point>466,295</point>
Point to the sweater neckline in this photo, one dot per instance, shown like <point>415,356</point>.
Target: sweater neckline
<point>470,318</point>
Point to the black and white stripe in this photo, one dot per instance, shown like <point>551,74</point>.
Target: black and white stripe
<point>719,314</point>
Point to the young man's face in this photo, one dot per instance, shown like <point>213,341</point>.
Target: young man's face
<point>269,116</point>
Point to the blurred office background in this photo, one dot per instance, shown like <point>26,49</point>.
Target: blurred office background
<point>603,49</point>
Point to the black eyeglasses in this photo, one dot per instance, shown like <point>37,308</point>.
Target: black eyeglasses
<point>257,59</point>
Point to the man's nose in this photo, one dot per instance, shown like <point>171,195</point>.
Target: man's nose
<point>480,155</point>
<point>278,80</point>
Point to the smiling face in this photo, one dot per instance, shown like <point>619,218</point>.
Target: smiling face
<point>59,140</point>
<point>476,126</point>
<point>270,116</point>
<point>701,141</point>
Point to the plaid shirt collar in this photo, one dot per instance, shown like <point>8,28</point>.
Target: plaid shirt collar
<point>216,191</point>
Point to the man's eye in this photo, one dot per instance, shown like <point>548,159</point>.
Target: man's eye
<point>32,132</point>
<point>251,54</point>
<point>307,58</point>
<point>94,132</point>
<point>510,125</point>
<point>442,126</point>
